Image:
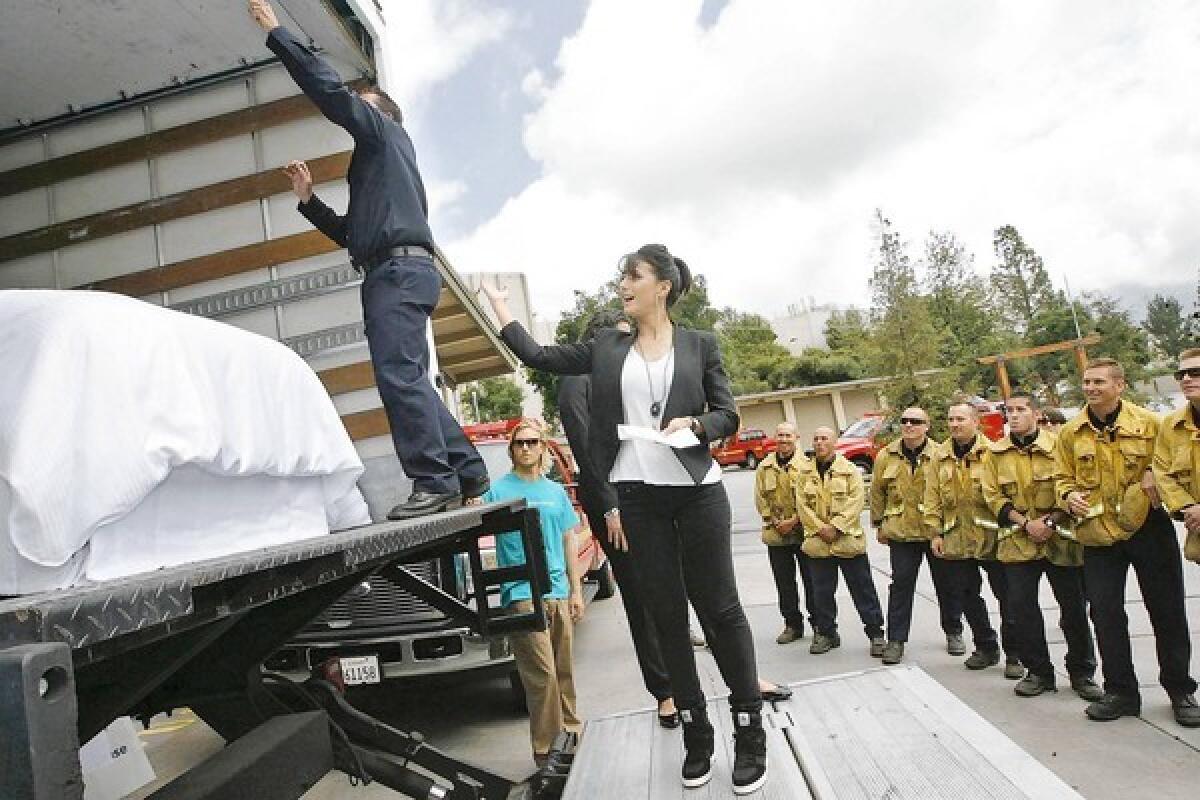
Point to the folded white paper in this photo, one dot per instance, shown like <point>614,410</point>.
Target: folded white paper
<point>679,439</point>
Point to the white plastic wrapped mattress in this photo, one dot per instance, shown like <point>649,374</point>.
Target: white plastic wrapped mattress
<point>133,437</point>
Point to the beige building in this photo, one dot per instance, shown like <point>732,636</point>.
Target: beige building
<point>809,407</point>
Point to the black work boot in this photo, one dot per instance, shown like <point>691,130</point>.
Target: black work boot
<point>1186,709</point>
<point>823,644</point>
<point>955,645</point>
<point>697,746</point>
<point>1033,685</point>
<point>749,751</point>
<point>982,659</point>
<point>1114,706</point>
<point>1086,687</point>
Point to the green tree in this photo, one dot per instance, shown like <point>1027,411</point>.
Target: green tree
<point>815,366</point>
<point>492,399</point>
<point>960,305</point>
<point>1167,326</point>
<point>848,336</point>
<point>1019,277</point>
<point>907,343</point>
<point>753,357</point>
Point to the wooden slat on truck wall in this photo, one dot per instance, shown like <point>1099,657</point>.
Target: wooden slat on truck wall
<point>220,265</point>
<point>169,140</point>
<point>162,209</point>
<point>366,424</point>
<point>348,378</point>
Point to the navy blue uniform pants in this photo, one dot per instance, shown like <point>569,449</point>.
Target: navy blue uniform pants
<point>857,572</point>
<point>786,560</point>
<point>398,296</point>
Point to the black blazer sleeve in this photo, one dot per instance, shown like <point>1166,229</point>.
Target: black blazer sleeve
<point>561,359</point>
<point>574,409</point>
<point>721,418</point>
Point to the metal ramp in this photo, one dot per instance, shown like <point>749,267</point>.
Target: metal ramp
<point>882,734</point>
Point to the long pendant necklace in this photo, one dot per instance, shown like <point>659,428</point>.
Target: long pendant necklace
<point>656,404</point>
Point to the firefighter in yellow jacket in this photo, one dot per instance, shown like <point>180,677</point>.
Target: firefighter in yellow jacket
<point>897,503</point>
<point>1035,540</point>
<point>775,498</point>
<point>830,499</point>
<point>964,534</point>
<point>1104,480</point>
<point>1177,455</point>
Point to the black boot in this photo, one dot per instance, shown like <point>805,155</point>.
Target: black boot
<point>749,751</point>
<point>698,747</point>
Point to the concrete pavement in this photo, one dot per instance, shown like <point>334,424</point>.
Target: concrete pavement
<point>1147,756</point>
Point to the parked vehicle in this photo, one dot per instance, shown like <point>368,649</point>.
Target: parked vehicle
<point>746,448</point>
<point>410,637</point>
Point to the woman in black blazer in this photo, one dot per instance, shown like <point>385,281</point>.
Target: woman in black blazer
<point>673,513</point>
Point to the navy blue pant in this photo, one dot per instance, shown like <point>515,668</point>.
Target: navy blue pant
<point>1067,585</point>
<point>906,560</point>
<point>786,560</point>
<point>398,296</point>
<point>1153,552</point>
<point>641,623</point>
<point>857,572</point>
<point>679,539</point>
<point>967,580</point>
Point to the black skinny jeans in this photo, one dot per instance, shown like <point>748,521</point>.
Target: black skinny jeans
<point>641,624</point>
<point>1153,552</point>
<point>679,539</point>
<point>786,560</point>
<point>857,572</point>
<point>906,564</point>
<point>1024,579</point>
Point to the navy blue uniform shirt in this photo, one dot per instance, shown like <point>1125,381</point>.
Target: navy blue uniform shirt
<point>387,198</point>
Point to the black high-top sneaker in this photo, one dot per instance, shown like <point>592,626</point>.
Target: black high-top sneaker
<point>749,751</point>
<point>698,747</point>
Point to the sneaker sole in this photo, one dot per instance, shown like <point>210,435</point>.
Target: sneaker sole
<point>696,783</point>
<point>449,505</point>
<point>750,788</point>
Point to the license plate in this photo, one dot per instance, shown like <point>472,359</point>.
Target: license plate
<point>360,669</point>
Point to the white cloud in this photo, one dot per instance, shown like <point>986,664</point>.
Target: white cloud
<point>430,40</point>
<point>758,148</point>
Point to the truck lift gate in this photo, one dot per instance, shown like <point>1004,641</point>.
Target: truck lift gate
<point>72,661</point>
<point>891,733</point>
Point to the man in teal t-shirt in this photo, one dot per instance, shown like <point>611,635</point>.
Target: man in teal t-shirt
<point>543,657</point>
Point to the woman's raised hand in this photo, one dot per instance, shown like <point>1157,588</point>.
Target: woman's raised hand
<point>498,297</point>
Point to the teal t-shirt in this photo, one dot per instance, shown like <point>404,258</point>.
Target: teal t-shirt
<point>557,517</point>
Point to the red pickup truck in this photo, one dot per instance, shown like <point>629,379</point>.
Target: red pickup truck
<point>746,448</point>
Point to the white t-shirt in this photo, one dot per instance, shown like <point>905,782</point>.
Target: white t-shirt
<point>639,460</point>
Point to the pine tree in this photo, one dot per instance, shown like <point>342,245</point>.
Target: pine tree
<point>1019,277</point>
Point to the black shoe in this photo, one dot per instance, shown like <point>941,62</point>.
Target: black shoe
<point>955,645</point>
<point>1187,710</point>
<point>1033,685</point>
<point>749,752</point>
<point>982,659</point>
<point>893,653</point>
<point>878,643</point>
<point>473,487</point>
<point>698,747</point>
<point>776,694</point>
<point>421,503</point>
<point>790,634</point>
<point>1087,688</point>
<point>1114,706</point>
<point>1013,669</point>
<point>823,644</point>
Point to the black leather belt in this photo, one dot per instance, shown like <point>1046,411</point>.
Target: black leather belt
<point>402,251</point>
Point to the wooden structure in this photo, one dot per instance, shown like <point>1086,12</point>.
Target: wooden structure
<point>1078,345</point>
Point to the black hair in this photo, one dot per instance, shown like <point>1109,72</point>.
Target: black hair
<point>665,266</point>
<point>1025,394</point>
<point>385,103</point>
<point>1055,416</point>
<point>604,318</point>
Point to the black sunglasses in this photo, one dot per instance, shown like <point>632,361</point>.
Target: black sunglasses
<point>1190,372</point>
<point>526,442</point>
<point>913,421</point>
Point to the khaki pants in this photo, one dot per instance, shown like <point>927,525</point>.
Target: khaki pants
<point>544,663</point>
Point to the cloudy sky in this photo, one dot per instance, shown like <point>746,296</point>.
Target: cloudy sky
<point>756,137</point>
